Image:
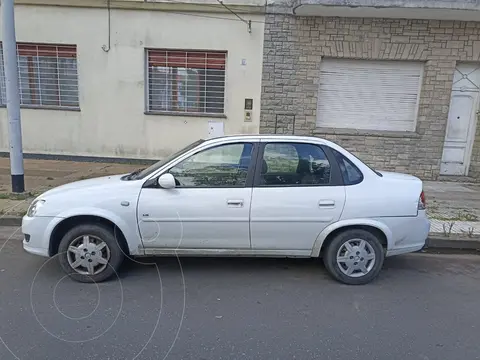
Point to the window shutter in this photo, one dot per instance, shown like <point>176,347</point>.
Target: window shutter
<point>187,59</point>
<point>370,95</point>
<point>64,51</point>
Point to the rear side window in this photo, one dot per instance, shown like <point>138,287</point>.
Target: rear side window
<point>350,173</point>
<point>294,164</point>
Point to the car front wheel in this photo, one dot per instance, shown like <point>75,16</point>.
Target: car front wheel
<point>354,257</point>
<point>90,253</point>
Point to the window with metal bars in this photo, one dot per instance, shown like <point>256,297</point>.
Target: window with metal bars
<point>186,81</point>
<point>47,75</point>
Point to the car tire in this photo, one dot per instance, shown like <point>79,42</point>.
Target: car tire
<point>340,259</point>
<point>99,255</point>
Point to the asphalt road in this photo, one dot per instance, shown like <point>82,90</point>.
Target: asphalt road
<point>421,307</point>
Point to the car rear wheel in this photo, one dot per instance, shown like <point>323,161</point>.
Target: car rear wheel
<point>354,257</point>
<point>90,253</point>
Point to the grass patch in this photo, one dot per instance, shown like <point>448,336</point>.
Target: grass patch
<point>13,213</point>
<point>87,177</point>
<point>463,215</point>
<point>432,205</point>
<point>15,196</point>
<point>432,208</point>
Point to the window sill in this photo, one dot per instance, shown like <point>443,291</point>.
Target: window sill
<point>58,108</point>
<point>172,113</point>
<point>361,132</point>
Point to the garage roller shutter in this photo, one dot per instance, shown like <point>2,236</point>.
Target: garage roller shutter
<point>371,95</point>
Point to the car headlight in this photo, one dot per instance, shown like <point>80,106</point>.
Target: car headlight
<point>34,206</point>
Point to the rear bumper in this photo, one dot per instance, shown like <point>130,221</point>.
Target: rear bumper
<point>409,234</point>
<point>405,250</point>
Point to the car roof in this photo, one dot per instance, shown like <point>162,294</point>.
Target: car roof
<point>244,137</point>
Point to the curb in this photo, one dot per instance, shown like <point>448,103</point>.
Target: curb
<point>87,159</point>
<point>458,243</point>
<point>11,221</point>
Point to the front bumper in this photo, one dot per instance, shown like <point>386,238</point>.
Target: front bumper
<point>34,250</point>
<point>38,229</point>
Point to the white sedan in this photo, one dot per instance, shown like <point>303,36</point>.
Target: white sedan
<point>260,195</point>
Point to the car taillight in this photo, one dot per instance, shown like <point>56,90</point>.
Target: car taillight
<point>422,204</point>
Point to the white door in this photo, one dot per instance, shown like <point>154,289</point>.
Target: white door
<point>459,135</point>
<point>210,206</point>
<point>294,197</point>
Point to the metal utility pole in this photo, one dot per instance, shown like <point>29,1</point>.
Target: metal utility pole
<point>9,45</point>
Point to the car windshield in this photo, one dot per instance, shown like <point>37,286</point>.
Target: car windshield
<point>140,174</point>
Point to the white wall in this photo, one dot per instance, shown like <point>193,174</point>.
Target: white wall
<point>112,85</point>
<point>211,2</point>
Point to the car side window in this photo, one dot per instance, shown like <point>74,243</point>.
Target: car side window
<point>294,164</point>
<point>350,173</point>
<point>221,166</point>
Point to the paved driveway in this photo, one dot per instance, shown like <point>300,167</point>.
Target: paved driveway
<point>422,307</point>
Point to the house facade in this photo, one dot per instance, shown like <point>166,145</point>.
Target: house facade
<point>397,83</point>
<point>134,79</point>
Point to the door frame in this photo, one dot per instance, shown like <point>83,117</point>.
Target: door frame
<point>318,218</point>
<point>471,86</point>
<point>472,133</point>
<point>150,181</point>
<point>471,130</point>
<point>336,174</point>
<point>151,184</point>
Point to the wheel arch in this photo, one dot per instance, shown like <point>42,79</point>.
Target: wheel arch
<point>68,223</point>
<point>329,233</point>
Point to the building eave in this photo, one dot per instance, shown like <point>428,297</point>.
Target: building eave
<point>468,10</point>
<point>187,6</point>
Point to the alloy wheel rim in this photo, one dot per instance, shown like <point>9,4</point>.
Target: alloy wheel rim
<point>356,258</point>
<point>88,255</point>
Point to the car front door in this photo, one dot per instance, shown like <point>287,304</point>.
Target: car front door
<point>210,206</point>
<point>298,191</point>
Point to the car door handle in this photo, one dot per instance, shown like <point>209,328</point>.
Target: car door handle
<point>326,203</point>
<point>235,203</point>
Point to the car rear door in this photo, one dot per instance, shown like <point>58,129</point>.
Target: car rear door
<point>298,191</point>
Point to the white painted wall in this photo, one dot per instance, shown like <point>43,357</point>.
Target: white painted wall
<point>112,85</point>
<point>211,2</point>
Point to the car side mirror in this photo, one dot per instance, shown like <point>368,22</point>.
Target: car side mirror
<point>166,181</point>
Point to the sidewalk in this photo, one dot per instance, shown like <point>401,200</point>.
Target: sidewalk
<point>453,207</point>
<point>41,175</point>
